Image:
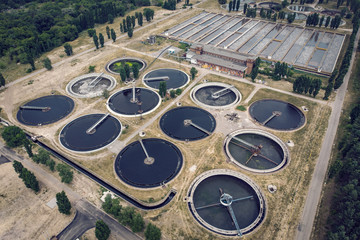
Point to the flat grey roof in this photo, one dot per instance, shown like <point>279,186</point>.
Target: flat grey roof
<point>219,62</point>
<point>223,52</point>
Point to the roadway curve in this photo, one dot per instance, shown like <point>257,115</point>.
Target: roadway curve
<point>305,226</point>
<point>106,185</point>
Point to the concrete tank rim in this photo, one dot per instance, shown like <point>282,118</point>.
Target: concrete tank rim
<point>284,162</point>
<point>155,89</point>
<point>107,66</point>
<point>70,92</point>
<point>262,201</point>
<point>91,151</point>
<point>134,115</point>
<point>201,104</point>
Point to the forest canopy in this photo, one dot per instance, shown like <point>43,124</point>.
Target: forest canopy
<point>30,28</point>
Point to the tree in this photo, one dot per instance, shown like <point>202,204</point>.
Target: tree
<point>162,89</point>
<point>30,60</point>
<point>133,21</point>
<point>68,49</point>
<point>101,39</point>
<point>237,5</point>
<point>63,203</point>
<point>130,32</point>
<point>149,14</point>
<point>47,63</point>
<point>111,18</point>
<point>106,93</point>
<point>96,41</point>
<point>172,93</point>
<point>65,173</point>
<point>113,35</point>
<point>18,166</point>
<point>91,32</point>
<point>2,80</point>
<point>122,74</point>
<point>41,157</point>
<point>245,7</point>
<point>127,70</point>
<point>254,73</point>
<point>13,136</point>
<point>178,91</point>
<point>102,231</point>
<point>317,86</point>
<point>29,179</point>
<point>230,5</point>
<point>137,223</point>
<point>193,73</point>
<point>108,31</point>
<point>121,28</point>
<point>327,21</point>
<point>152,232</point>
<point>135,70</point>
<point>291,17</point>
<point>140,19</point>
<point>124,25</point>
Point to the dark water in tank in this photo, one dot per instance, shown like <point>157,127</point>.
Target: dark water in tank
<point>270,155</point>
<point>115,67</point>
<point>120,101</point>
<point>74,136</point>
<point>207,192</point>
<point>130,166</point>
<point>177,78</point>
<point>291,117</point>
<point>204,95</point>
<point>60,106</point>
<point>172,123</point>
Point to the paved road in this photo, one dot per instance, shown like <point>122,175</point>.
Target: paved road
<point>89,213</point>
<point>312,200</point>
<point>86,217</point>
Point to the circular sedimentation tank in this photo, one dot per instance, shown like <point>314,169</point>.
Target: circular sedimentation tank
<point>174,78</point>
<point>256,150</point>
<point>132,102</point>
<point>148,163</point>
<point>277,114</point>
<point>45,110</point>
<point>301,8</point>
<point>90,85</point>
<point>187,123</point>
<point>114,65</point>
<point>90,132</point>
<point>215,95</point>
<point>270,5</point>
<point>226,202</point>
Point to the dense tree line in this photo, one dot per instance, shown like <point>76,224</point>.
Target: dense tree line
<point>306,85</point>
<point>330,85</point>
<point>43,157</point>
<point>280,70</point>
<point>169,4</point>
<point>348,54</point>
<point>28,177</point>
<point>127,216</point>
<point>42,25</point>
<point>344,219</point>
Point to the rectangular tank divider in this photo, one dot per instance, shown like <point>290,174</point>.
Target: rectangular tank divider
<point>324,57</point>
<point>300,50</point>
<point>292,42</point>
<point>214,30</point>
<point>316,47</point>
<point>225,30</point>
<point>250,48</point>
<point>202,27</point>
<point>273,39</point>
<point>198,39</point>
<point>233,32</point>
<point>252,35</point>
<point>342,45</point>
<point>195,24</point>
<point>177,29</point>
<point>282,41</point>
<point>243,34</point>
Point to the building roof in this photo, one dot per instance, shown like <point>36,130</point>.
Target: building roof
<point>218,61</point>
<point>223,52</point>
